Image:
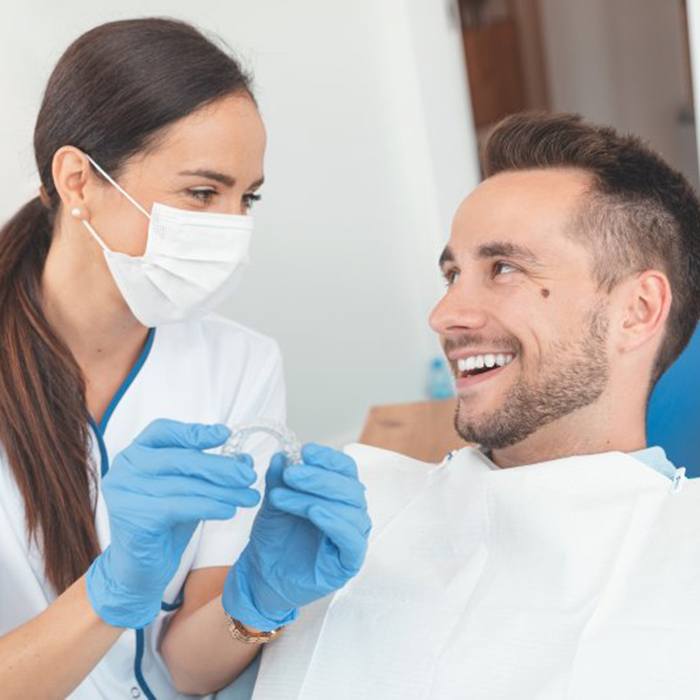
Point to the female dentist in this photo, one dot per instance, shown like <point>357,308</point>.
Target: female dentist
<point>119,524</point>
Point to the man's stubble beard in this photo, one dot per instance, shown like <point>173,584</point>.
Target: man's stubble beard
<point>575,375</point>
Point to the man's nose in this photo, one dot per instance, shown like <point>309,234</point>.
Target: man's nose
<point>457,312</point>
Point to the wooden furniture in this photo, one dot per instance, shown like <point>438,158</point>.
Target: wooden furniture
<point>423,430</point>
<point>505,60</point>
<point>494,67</point>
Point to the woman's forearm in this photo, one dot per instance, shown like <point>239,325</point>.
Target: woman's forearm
<point>200,652</point>
<point>51,654</point>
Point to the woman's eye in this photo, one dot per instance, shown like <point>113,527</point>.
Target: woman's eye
<point>503,267</point>
<point>203,195</point>
<point>250,199</point>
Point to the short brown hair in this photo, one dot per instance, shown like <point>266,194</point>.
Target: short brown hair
<point>640,213</point>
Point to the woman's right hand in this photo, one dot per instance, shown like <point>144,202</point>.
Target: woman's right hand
<point>157,491</point>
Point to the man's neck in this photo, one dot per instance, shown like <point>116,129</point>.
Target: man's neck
<point>591,430</point>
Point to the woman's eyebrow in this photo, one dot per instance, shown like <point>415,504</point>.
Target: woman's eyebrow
<point>220,177</point>
<point>211,175</point>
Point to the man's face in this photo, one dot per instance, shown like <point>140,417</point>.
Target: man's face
<point>522,322</point>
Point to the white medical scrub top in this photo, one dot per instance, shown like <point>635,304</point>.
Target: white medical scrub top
<point>211,370</point>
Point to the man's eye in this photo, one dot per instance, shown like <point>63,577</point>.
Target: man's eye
<point>250,199</point>
<point>202,195</point>
<point>503,267</point>
<point>451,277</point>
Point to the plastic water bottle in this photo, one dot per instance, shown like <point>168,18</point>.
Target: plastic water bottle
<point>440,382</point>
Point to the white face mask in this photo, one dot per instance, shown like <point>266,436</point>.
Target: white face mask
<point>192,262</point>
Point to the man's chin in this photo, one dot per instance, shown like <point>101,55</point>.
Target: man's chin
<point>478,410</point>
<point>488,428</point>
<point>471,425</point>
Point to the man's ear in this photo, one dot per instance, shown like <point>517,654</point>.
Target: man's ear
<point>646,302</point>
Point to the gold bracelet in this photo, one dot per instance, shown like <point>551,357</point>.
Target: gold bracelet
<point>240,632</point>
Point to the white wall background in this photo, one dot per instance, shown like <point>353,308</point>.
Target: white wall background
<point>370,150</point>
<point>621,62</point>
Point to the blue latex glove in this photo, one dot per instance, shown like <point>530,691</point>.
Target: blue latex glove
<point>308,539</point>
<point>157,491</point>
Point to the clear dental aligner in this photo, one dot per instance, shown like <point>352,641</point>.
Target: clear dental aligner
<point>287,439</point>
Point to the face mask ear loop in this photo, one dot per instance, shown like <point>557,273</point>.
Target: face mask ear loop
<point>124,192</point>
<point>93,233</point>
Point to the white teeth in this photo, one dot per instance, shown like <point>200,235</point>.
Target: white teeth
<point>467,364</point>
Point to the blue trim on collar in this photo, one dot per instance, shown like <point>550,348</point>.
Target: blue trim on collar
<point>128,381</point>
<point>104,457</point>
<point>99,430</point>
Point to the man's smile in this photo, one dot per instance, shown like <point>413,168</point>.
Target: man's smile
<point>475,368</point>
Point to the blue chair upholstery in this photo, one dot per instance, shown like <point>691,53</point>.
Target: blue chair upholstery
<point>673,416</point>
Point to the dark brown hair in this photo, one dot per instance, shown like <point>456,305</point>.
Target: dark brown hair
<point>640,213</point>
<point>110,95</point>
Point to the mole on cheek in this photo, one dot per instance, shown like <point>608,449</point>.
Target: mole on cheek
<point>545,293</point>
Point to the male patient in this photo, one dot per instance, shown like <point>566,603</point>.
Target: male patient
<point>560,559</point>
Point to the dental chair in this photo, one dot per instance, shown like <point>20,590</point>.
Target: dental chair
<point>673,414</point>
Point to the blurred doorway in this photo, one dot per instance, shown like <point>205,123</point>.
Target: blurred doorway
<point>623,63</point>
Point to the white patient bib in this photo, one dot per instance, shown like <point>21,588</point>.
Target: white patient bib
<point>577,578</point>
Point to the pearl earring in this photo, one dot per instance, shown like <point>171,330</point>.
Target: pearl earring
<point>76,212</point>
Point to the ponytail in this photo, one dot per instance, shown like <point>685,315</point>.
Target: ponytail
<point>94,102</point>
<point>43,417</point>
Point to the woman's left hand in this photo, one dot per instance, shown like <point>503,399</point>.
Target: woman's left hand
<point>308,539</point>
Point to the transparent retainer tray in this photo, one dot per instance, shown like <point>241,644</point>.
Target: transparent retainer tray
<point>240,434</point>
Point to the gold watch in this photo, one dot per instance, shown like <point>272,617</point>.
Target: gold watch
<point>241,633</point>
